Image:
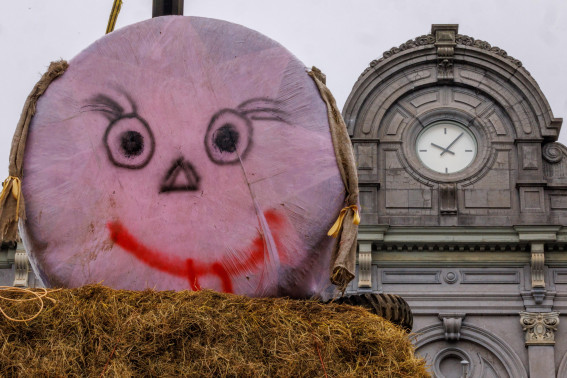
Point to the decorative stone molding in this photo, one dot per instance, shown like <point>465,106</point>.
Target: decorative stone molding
<point>452,325</point>
<point>452,353</point>
<point>539,327</point>
<point>365,264</point>
<point>442,247</point>
<point>451,277</point>
<point>465,40</point>
<point>480,336</point>
<point>422,40</point>
<point>430,39</point>
<point>552,153</point>
<point>22,268</point>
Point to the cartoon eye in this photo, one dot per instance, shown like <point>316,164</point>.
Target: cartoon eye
<point>129,142</point>
<point>228,137</point>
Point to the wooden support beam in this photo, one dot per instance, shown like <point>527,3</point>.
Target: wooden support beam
<point>167,8</point>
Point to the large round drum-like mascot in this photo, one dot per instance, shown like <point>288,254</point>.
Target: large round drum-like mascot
<point>182,153</point>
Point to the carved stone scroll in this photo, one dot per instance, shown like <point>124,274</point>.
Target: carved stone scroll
<point>538,260</point>
<point>22,268</point>
<point>537,272</point>
<point>365,265</point>
<point>539,327</point>
<point>552,153</point>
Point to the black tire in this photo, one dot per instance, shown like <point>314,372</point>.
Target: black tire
<point>389,306</point>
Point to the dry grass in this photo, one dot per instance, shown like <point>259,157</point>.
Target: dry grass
<point>96,331</point>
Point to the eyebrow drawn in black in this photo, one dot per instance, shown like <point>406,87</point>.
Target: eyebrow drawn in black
<point>110,107</point>
<point>263,108</point>
<point>103,103</point>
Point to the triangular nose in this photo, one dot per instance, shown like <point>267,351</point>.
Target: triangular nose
<point>181,176</point>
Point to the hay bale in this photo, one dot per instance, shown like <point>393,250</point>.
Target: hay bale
<point>95,331</point>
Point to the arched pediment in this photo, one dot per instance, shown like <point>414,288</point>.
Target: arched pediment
<point>445,57</point>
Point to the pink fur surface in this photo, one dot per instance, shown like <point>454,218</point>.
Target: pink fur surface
<point>173,83</point>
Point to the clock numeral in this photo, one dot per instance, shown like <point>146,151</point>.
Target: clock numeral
<point>422,150</point>
<point>445,130</point>
<point>446,170</point>
<point>468,150</point>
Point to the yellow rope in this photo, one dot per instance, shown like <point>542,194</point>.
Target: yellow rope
<point>113,15</point>
<point>334,231</point>
<point>37,297</point>
<point>16,191</point>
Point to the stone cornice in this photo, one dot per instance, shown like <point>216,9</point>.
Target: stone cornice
<point>462,235</point>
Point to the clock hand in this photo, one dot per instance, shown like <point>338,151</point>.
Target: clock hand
<point>442,148</point>
<point>450,145</point>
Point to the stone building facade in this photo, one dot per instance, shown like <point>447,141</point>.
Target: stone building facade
<point>463,190</point>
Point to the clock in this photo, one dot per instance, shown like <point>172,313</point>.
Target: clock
<point>446,147</point>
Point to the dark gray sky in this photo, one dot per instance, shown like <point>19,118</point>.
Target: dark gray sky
<point>339,36</point>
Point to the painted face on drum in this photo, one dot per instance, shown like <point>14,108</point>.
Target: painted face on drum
<point>183,153</point>
<point>130,144</point>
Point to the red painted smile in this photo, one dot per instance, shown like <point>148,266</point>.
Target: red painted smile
<point>250,259</point>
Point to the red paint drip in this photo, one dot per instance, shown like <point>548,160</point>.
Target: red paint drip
<point>190,269</point>
<point>221,272</point>
<point>192,275</point>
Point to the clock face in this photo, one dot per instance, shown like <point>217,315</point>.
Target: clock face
<point>446,147</point>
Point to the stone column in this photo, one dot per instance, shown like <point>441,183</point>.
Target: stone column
<point>539,328</point>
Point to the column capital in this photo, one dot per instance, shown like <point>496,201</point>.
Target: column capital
<point>539,327</point>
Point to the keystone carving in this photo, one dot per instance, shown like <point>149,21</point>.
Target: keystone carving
<point>445,43</point>
<point>539,327</point>
<point>448,199</point>
<point>452,324</point>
